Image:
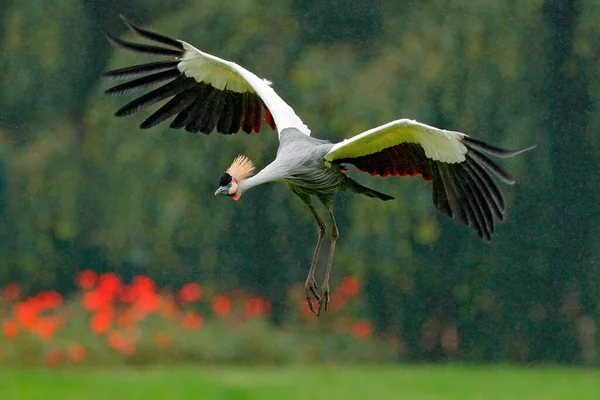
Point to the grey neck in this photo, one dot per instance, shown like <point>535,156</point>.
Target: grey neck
<point>268,174</point>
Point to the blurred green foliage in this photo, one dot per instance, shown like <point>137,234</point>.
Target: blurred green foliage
<point>82,189</point>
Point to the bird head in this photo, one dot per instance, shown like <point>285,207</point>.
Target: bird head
<point>240,169</point>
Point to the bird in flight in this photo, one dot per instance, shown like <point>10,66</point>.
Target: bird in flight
<point>207,93</point>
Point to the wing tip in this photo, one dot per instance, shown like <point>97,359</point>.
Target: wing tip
<point>112,39</point>
<point>124,19</point>
<point>495,151</point>
<point>146,125</point>
<point>130,25</point>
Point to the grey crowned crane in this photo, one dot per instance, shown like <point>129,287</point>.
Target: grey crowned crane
<point>207,93</point>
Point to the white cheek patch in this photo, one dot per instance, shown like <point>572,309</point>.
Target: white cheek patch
<point>233,187</point>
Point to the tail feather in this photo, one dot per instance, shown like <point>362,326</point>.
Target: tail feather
<point>356,187</point>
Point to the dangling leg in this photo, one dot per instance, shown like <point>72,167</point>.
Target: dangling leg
<point>324,300</point>
<point>310,285</point>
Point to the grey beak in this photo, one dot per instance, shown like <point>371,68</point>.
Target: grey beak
<point>223,190</point>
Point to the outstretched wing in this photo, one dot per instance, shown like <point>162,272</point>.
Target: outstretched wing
<point>205,92</point>
<point>459,166</point>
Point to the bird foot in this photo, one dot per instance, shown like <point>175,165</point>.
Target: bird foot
<point>311,292</point>
<point>324,299</point>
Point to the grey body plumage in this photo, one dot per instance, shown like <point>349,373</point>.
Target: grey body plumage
<point>300,163</point>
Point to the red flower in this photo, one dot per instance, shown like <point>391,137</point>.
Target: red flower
<point>118,341</point>
<point>255,307</point>
<point>361,329</point>
<point>221,305</point>
<point>128,294</point>
<point>148,302</point>
<point>76,353</point>
<point>53,357</point>
<point>140,287</point>
<point>336,302</point>
<point>192,320</point>
<point>101,322</point>
<point>350,286</point>
<point>45,328</point>
<point>87,279</point>
<point>12,291</point>
<point>305,309</point>
<point>143,284</point>
<point>95,300</point>
<point>10,328</point>
<point>190,292</point>
<point>47,300</point>
<point>109,284</point>
<point>26,314</point>
<point>106,307</point>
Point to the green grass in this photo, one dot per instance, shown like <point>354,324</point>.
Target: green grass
<point>305,383</point>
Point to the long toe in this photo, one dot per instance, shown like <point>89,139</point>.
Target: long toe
<point>310,293</point>
<point>324,300</point>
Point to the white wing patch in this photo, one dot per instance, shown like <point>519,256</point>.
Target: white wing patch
<point>222,74</point>
<point>438,144</point>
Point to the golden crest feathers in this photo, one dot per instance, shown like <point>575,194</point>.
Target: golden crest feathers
<point>241,168</point>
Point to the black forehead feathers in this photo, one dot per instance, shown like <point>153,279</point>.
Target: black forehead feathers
<point>225,179</point>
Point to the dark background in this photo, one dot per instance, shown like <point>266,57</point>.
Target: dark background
<point>81,189</point>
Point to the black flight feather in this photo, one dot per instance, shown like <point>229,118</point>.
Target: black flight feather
<point>495,193</point>
<point>187,114</point>
<point>236,117</point>
<point>452,195</point>
<point>170,89</point>
<point>153,36</point>
<point>492,150</point>
<point>203,113</point>
<point>490,165</point>
<point>484,196</point>
<point>172,107</point>
<point>440,200</point>
<point>248,123</point>
<point>214,112</point>
<point>141,70</point>
<point>142,82</point>
<point>143,48</point>
<point>225,119</point>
